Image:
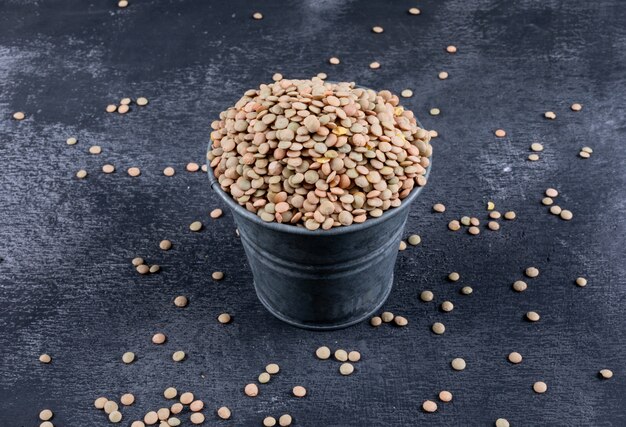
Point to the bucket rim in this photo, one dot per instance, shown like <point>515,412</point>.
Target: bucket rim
<point>294,229</point>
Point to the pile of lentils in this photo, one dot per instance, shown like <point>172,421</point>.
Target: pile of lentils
<point>318,154</point>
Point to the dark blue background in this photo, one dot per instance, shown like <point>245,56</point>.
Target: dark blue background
<point>67,287</point>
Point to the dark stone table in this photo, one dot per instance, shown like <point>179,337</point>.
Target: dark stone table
<point>67,287</point>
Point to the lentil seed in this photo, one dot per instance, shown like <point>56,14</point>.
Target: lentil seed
<point>354,356</point>
<point>402,245</point>
<point>387,316</point>
<point>429,406</point>
<point>45,415</point>
<point>547,201</point>
<point>414,240</point>
<point>447,306</point>
<point>439,208</point>
<point>123,109</point>
<point>158,338</point>
<point>257,15</point>
<point>458,364</point>
<point>581,281</point>
<point>537,147</point>
<point>550,115</point>
<point>406,93</point>
<point>515,357</point>
<point>195,226</point>
<point>196,418</point>
<point>19,115</point>
<point>181,301</point>
<point>154,268</point>
<point>108,168</point>
<point>400,321</point>
<point>566,215</point>
<point>427,296</point>
<point>493,225</point>
<point>264,378</point>
<point>141,101</point>
<point>127,399</point>
<point>216,213</point>
<point>100,402</point>
<point>224,318</point>
<point>438,328</point>
<point>576,107</point>
<point>138,424</point>
<point>500,133</point>
<point>376,321</point>
<point>540,387</point>
<point>196,405</point>
<point>555,210</point>
<point>111,108</point>
<point>272,369</point>
<point>445,396</point>
<point>510,215</point>
<point>299,391</point>
<point>128,357</point>
<point>95,149</point>
<point>520,285</point>
<point>71,141</point>
<point>533,157</point>
<point>322,353</point>
<point>285,420</point>
<point>192,167</point>
<point>45,358</point>
<point>334,61</point>
<point>110,406</point>
<point>454,276</point>
<point>178,356</point>
<point>606,374</point>
<point>269,421</point>
<point>532,272</point>
<point>169,171</point>
<point>217,275</point>
<point>435,111</point>
<point>341,355</point>
<point>375,65</point>
<point>165,245</point>
<point>451,49</point>
<point>473,230</point>
<point>170,393</point>
<point>501,422</point>
<point>454,225</point>
<point>346,369</point>
<point>466,290</point>
<point>134,171</point>
<point>442,75</point>
<point>186,398</point>
<point>414,11</point>
<point>377,29</point>
<point>151,418</point>
<point>533,316</point>
<point>224,413</point>
<point>251,390</point>
<point>115,416</point>
<point>551,192</point>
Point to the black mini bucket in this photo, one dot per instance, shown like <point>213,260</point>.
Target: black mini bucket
<point>322,279</point>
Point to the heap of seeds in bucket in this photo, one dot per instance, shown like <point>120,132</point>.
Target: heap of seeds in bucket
<point>318,154</point>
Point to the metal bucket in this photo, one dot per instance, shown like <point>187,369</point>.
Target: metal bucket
<point>322,279</point>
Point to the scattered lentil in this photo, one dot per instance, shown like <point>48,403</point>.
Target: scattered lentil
<point>581,281</point>
<point>159,338</point>
<point>375,65</point>
<point>346,369</point>
<point>334,60</point>
<point>257,15</point>
<point>447,306</point>
<point>537,147</point>
<point>550,115</point>
<point>445,396</point>
<point>95,149</point>
<point>138,424</point>
<point>515,357</point>
<point>196,405</point>
<point>269,421</point>
<point>566,215</point>
<point>299,391</point>
<point>427,296</point>
<point>251,390</point>
<point>501,422</point>
<point>533,157</point>
<point>128,357</point>
<point>584,155</point>
<point>466,290</point>
<point>387,316</point>
<point>606,374</point>
<point>439,208</point>
<point>533,316</point>
<point>111,108</point>
<point>414,11</point>
<point>108,168</point>
<point>414,240</point>
<point>354,356</point>
<point>377,29</point>
<point>122,4</point>
<point>178,356</point>
<point>495,215</point>
<point>137,261</point>
<point>224,318</point>
<point>322,353</point>
<point>100,402</point>
<point>195,226</point>
<point>272,369</point>
<point>551,192</point>
<point>588,150</point>
<point>473,230</point>
<point>454,225</point>
<point>181,301</point>
<point>540,387</point>
<point>406,93</point>
<point>154,268</point>
<point>134,171</point>
<point>110,406</point>
<point>555,210</point>
<point>341,355</point>
<point>141,101</point>
<point>186,398</point>
<point>127,399</point>
<point>123,109</point>
<point>217,275</point>
<point>500,133</point>
<point>45,358</point>
<point>376,321</point>
<point>400,321</point>
<point>224,413</point>
<point>163,414</point>
<point>451,49</point>
<point>458,364</point>
<point>520,285</point>
<point>170,393</point>
<point>443,75</point>
<point>196,418</point>
<point>510,215</point>
<point>192,167</point>
<point>454,276</point>
<point>151,418</point>
<point>176,408</point>
<point>492,225</point>
<point>402,245</point>
<point>435,111</point>
<point>71,141</point>
<point>576,107</point>
<point>45,415</point>
<point>115,416</point>
<point>264,378</point>
<point>216,213</point>
<point>438,328</point>
<point>19,115</point>
<point>429,406</point>
<point>169,171</point>
<point>285,420</point>
<point>547,201</point>
<point>166,245</point>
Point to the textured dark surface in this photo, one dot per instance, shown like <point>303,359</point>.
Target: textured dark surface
<point>67,287</point>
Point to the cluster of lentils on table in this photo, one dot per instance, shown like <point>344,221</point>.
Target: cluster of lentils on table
<point>317,153</point>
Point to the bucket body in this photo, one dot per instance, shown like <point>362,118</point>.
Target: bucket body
<point>322,279</point>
